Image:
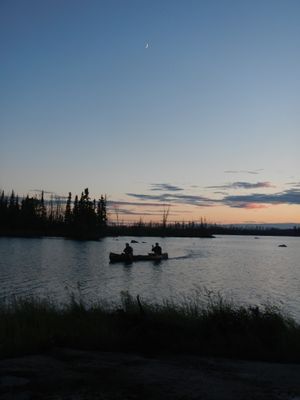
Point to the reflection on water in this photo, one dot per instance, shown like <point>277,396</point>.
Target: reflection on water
<point>241,268</point>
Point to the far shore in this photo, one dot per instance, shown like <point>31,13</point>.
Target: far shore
<point>148,233</point>
<point>33,234</point>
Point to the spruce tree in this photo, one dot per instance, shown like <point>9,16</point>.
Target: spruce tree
<point>42,211</point>
<point>101,211</point>
<point>12,212</point>
<point>3,210</point>
<point>68,213</point>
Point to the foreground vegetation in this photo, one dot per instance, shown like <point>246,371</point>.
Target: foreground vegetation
<point>211,328</point>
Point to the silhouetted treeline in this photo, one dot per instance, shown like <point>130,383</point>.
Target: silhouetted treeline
<point>173,229</point>
<point>257,230</point>
<point>195,229</point>
<point>82,218</point>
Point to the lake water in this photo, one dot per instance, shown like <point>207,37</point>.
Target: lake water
<point>241,268</point>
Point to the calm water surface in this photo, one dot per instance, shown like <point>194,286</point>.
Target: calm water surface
<point>241,268</point>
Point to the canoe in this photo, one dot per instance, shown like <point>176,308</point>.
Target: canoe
<point>114,257</point>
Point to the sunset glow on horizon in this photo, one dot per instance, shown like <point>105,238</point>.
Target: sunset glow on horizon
<point>214,210</point>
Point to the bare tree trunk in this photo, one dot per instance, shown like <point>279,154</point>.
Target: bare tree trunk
<point>165,216</point>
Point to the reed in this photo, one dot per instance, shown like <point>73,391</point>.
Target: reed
<point>210,327</point>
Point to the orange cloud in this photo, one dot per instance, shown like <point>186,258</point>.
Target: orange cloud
<point>252,206</point>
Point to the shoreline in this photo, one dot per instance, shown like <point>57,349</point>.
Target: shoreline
<point>33,235</point>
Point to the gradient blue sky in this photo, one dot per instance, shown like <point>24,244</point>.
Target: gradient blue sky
<point>205,119</point>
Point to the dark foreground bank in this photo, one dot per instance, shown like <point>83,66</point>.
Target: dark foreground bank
<point>64,374</point>
<point>213,328</point>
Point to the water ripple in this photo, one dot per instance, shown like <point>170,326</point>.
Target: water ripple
<point>246,270</point>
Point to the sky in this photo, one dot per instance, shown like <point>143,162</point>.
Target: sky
<point>179,105</point>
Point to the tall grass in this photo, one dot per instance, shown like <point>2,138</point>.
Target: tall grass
<point>208,325</point>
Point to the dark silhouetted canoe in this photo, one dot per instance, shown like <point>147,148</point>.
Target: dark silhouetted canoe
<point>114,257</point>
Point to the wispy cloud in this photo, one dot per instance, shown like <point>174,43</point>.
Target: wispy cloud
<point>221,192</point>
<point>175,198</point>
<point>126,211</point>
<point>242,185</point>
<point>295,184</point>
<point>149,197</point>
<point>141,213</point>
<point>165,187</point>
<point>249,201</point>
<point>132,203</point>
<point>291,197</point>
<point>193,200</point>
<point>41,190</point>
<point>49,194</point>
<point>251,172</point>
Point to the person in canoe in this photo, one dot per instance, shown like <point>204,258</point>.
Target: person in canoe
<point>128,251</point>
<point>157,249</point>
